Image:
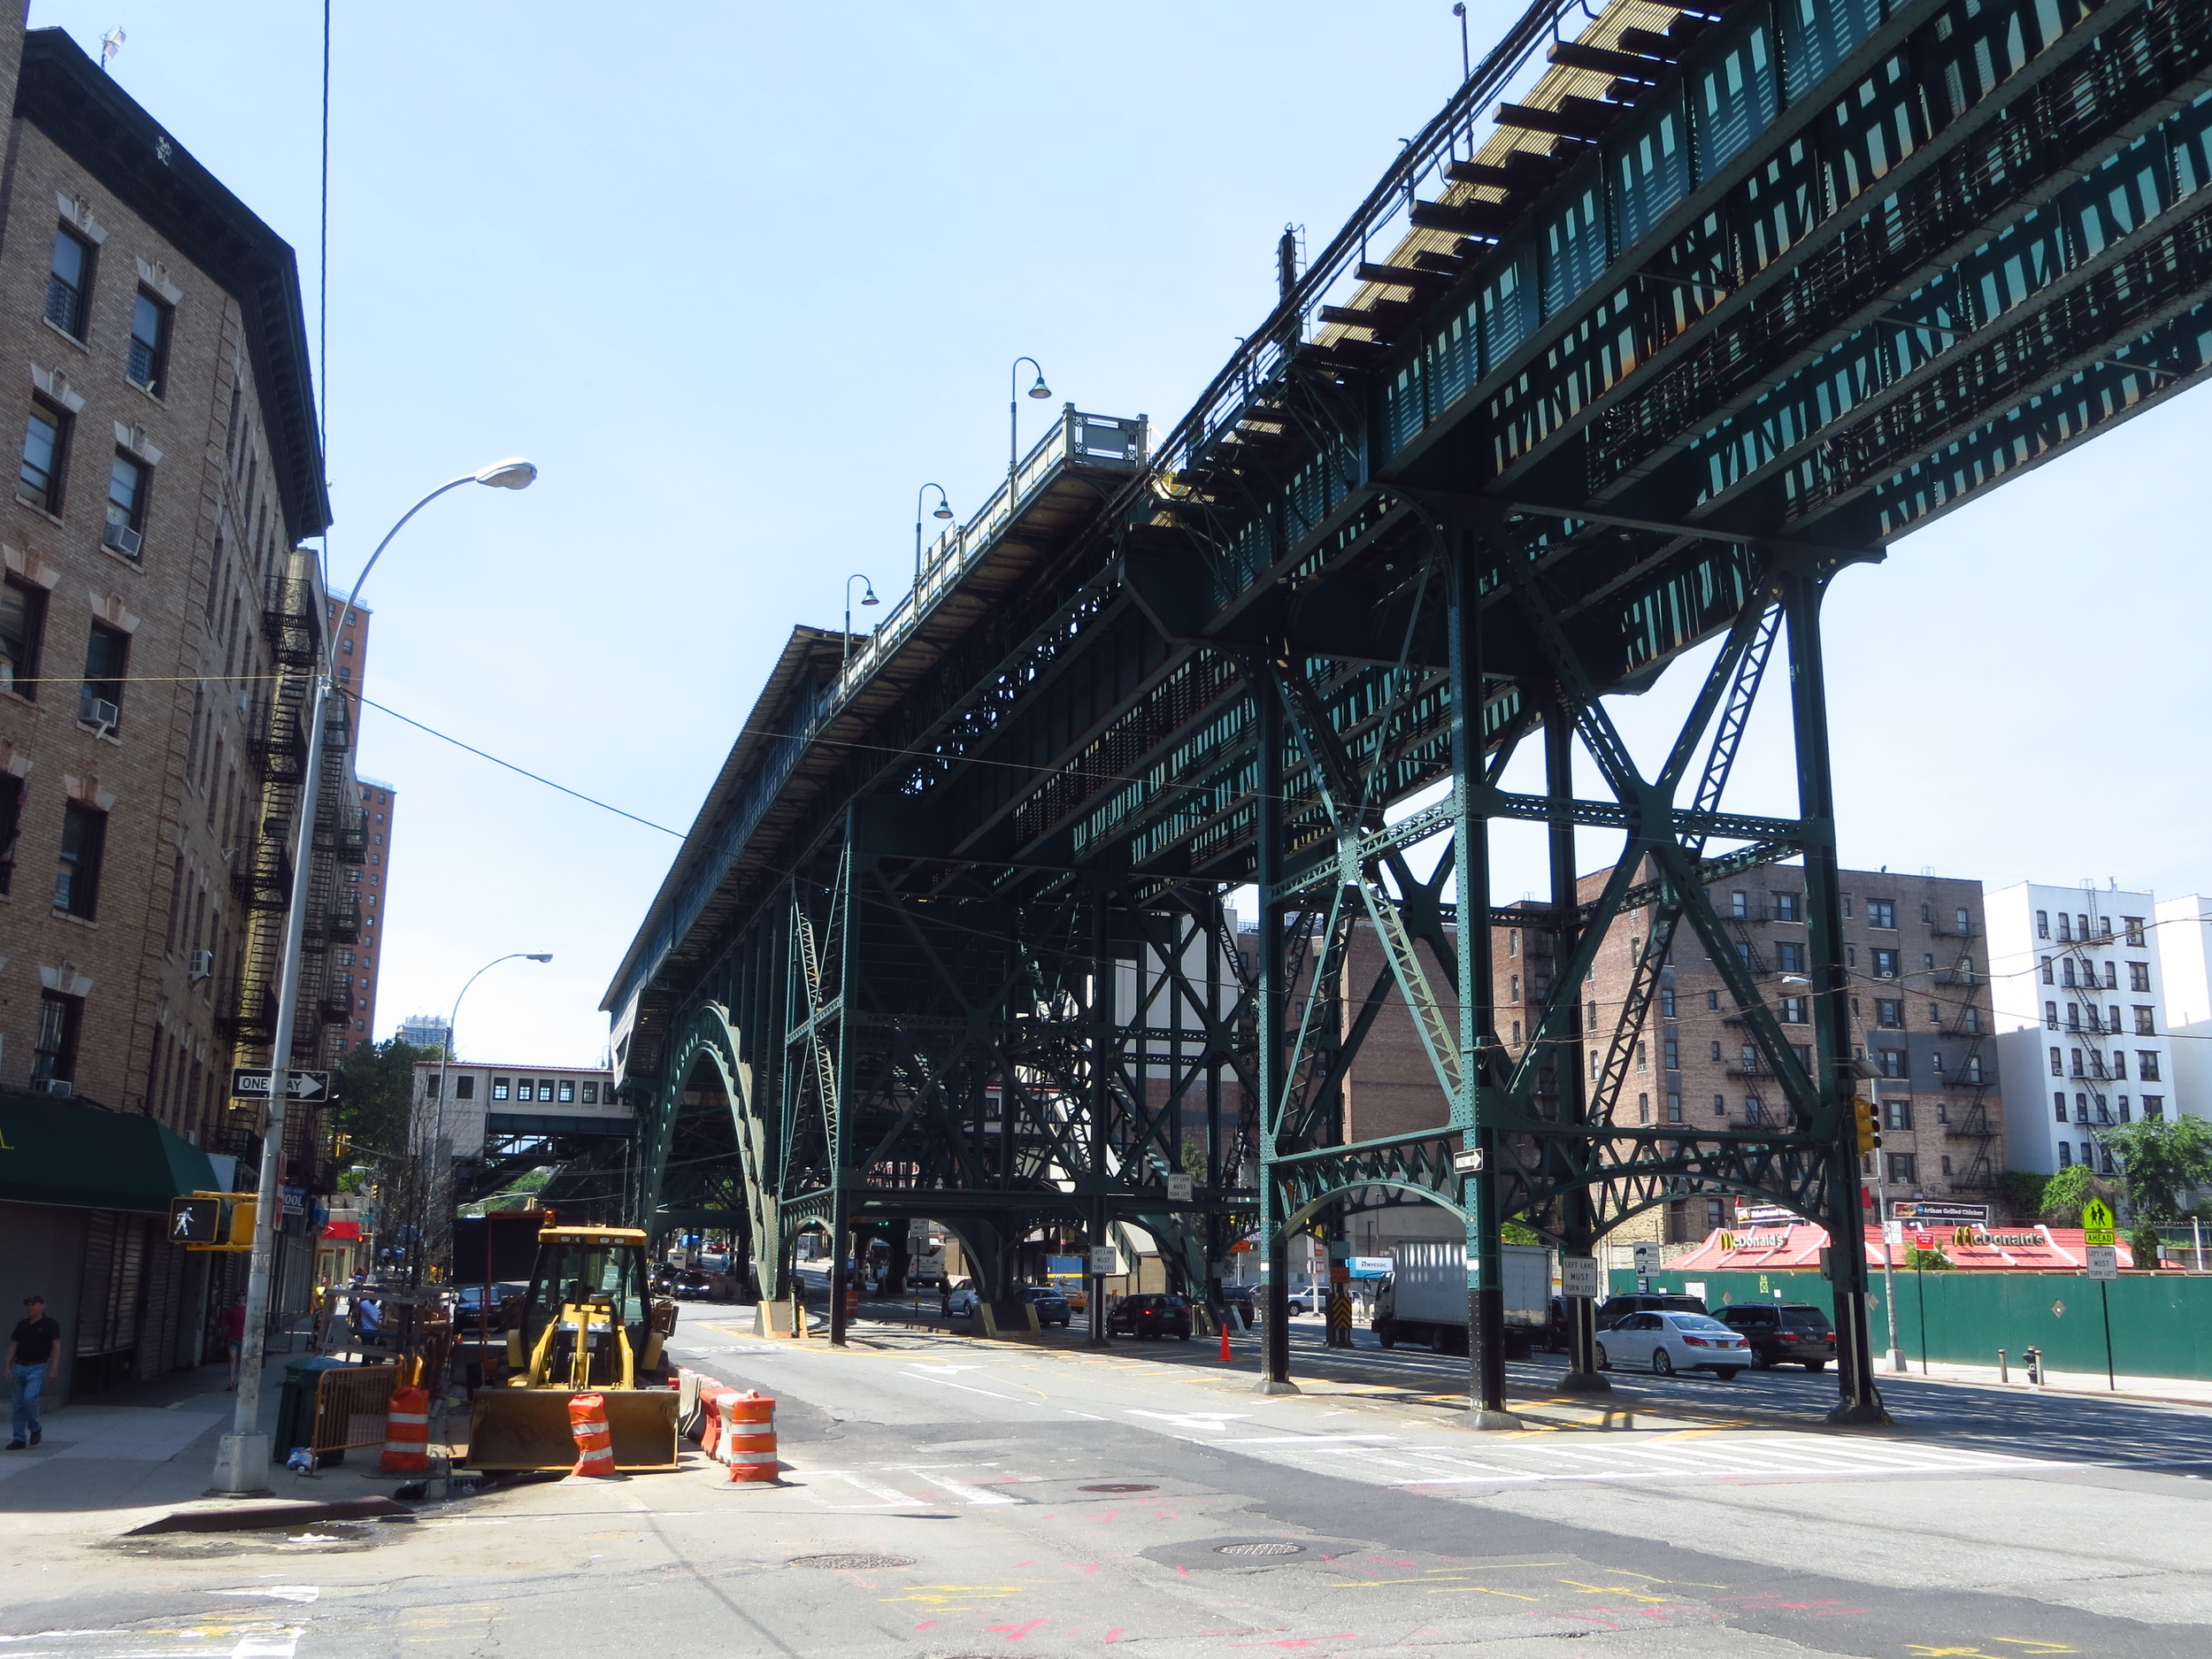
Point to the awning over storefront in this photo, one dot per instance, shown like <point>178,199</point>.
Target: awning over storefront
<point>52,1153</point>
<point>1797,1249</point>
<point>342,1231</point>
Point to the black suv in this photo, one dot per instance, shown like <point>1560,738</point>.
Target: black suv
<point>1646,1302</point>
<point>1791,1332</point>
<point>1150,1315</point>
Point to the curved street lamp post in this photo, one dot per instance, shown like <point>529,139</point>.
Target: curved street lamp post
<point>1013,408</point>
<point>241,1460</point>
<point>944,511</point>
<point>867,598</point>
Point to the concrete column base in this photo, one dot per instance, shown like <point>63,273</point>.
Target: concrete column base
<point>1270,1386</point>
<point>1481,1419</point>
<point>1866,1415</point>
<point>241,1467</point>
<point>1583,1382</point>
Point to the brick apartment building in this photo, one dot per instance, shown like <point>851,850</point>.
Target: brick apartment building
<point>156,627</point>
<point>1920,1010</point>
<point>355,967</point>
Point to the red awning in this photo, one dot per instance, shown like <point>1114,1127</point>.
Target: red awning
<point>1797,1249</point>
<point>344,1230</point>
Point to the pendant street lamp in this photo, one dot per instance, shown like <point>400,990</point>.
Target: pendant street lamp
<point>867,598</point>
<point>241,1460</point>
<point>944,511</point>
<point>1013,408</point>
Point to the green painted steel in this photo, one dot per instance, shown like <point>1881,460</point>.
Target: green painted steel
<point>2162,1323</point>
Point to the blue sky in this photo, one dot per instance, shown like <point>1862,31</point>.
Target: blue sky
<point>741,278</point>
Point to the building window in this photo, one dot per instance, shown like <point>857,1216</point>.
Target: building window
<point>127,505</point>
<point>2043,923</point>
<point>1720,1105</point>
<point>1973,1072</point>
<point>2147,1066</point>
<point>1935,1064</point>
<point>1927,913</point>
<point>1885,965</point>
<point>1740,905</point>
<point>568,1092</point>
<point>2153,1106</point>
<point>22,627</point>
<point>149,343</point>
<point>2074,1055</point>
<point>83,838</point>
<point>1881,913</point>
<point>106,668</point>
<point>1512,941</point>
<point>591,1093</point>
<point>2067,974</point>
<point>1904,1169</point>
<point>2081,1109</point>
<point>2058,1103</point>
<point>2065,1155</point>
<point>2120,1065</point>
<point>11,821</point>
<point>499,1088</point>
<point>2073,1016</point>
<point>1785,908</point>
<point>1717,1054</point>
<point>2104,1110</point>
<point>1971,1019</point>
<point>2058,1066</point>
<point>1892,1061</point>
<point>2065,929</point>
<point>1963,920</point>
<point>1712,1001</point>
<point>2047,971</point>
<point>2050,1016</point>
<point>69,283</point>
<point>1897,1114</point>
<point>2134,927</point>
<point>1643,1109</point>
<point>1743,954</point>
<point>1755,1110</point>
<point>545,1090</point>
<point>465,1086</point>
<point>2146,1025</point>
<point>45,453</point>
<point>1666,1001</point>
<point>1671,1051</point>
<point>2139,976</point>
<point>54,1051</point>
<point>1846,904</point>
<point>1792,1010</point>
<point>1850,955</point>
<point>1789,957</point>
<point>1889,1011</point>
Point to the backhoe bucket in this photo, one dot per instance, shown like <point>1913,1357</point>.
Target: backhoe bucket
<point>528,1428</point>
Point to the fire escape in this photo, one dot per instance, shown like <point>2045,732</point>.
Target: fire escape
<point>2088,1017</point>
<point>1966,1125</point>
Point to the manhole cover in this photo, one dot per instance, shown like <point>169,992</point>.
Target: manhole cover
<point>1259,1549</point>
<point>851,1560</point>
<point>1118,1485</point>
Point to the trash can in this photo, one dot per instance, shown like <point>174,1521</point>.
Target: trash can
<point>295,1407</point>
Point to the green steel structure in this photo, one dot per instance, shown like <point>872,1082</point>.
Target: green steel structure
<point>1737,292</point>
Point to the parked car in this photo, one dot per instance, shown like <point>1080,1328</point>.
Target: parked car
<point>1051,1306</point>
<point>470,1304</point>
<point>1615,1308</point>
<point>960,1300</point>
<point>1150,1315</point>
<point>1670,1342</point>
<point>1783,1332</point>
<point>1075,1296</point>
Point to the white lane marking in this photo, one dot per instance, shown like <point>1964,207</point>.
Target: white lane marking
<point>888,1495</point>
<point>278,1592</point>
<point>1305,1440</point>
<point>269,1644</point>
<point>1087,1417</point>
<point>1216,1422</point>
<point>962,1490</point>
<point>964,1387</point>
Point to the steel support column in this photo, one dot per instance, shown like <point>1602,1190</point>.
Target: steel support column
<point>1578,1214</point>
<point>1268,808</point>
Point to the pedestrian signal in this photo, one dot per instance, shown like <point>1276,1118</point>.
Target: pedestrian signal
<point>242,1215</point>
<point>1869,1121</point>
<point>195,1220</point>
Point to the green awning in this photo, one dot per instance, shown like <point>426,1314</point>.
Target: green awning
<point>52,1153</point>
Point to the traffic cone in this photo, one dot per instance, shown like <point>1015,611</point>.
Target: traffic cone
<point>1225,1353</point>
<point>595,1444</point>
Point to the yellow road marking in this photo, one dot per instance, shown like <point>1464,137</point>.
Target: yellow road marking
<point>1478,1589</point>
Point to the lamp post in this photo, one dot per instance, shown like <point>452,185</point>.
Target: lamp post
<point>440,1160</point>
<point>1466,65</point>
<point>241,1460</point>
<point>1013,407</point>
<point>944,511</point>
<point>867,598</point>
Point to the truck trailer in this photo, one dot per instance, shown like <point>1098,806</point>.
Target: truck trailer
<point>1425,1298</point>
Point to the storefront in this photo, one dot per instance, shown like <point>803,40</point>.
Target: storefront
<point>84,1197</point>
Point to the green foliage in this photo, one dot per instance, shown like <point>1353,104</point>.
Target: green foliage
<point>2161,1159</point>
<point>2066,1192</point>
<point>1921,1261</point>
<point>1514,1232</point>
<point>2021,1192</point>
<point>2143,1245</point>
<point>375,1087</point>
<point>1194,1162</point>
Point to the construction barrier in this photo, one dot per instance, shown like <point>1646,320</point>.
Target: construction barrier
<point>712,1395</point>
<point>852,1300</point>
<point>748,1435</point>
<point>407,1433</point>
<point>350,1407</point>
<point>595,1440</point>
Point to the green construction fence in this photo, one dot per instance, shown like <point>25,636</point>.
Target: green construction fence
<point>2162,1323</point>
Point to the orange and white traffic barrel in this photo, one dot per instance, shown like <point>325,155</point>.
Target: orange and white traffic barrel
<point>710,1427</point>
<point>407,1433</point>
<point>749,1436</point>
<point>595,1441</point>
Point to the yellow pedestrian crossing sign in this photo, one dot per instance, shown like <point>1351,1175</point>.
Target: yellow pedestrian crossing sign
<point>2098,1223</point>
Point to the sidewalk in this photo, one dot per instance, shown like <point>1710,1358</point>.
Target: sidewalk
<point>125,1456</point>
<point>2179,1391</point>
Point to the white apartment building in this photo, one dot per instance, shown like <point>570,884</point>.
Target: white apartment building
<point>487,1109</point>
<point>2183,933</point>
<point>2083,1023</point>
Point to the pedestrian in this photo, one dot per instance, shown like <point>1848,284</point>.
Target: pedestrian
<point>367,1317</point>
<point>235,1336</point>
<point>30,1356</point>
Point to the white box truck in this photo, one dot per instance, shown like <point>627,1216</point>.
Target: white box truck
<point>1425,1299</point>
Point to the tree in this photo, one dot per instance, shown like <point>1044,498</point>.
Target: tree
<point>2066,1192</point>
<point>2023,1192</point>
<point>2161,1158</point>
<point>375,1088</point>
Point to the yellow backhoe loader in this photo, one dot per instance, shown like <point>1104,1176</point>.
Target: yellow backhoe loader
<point>587,1325</point>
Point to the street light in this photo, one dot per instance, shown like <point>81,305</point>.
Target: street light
<point>944,511</point>
<point>1013,407</point>
<point>869,598</point>
<point>241,1460</point>
<point>453,1026</point>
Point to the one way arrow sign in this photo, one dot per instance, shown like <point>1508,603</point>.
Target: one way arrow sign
<point>250,1085</point>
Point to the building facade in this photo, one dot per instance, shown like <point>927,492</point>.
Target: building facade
<point>2082,1009</point>
<point>2182,930</point>
<point>359,964</point>
<point>426,1030</point>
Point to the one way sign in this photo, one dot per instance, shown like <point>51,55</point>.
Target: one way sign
<point>247,1085</point>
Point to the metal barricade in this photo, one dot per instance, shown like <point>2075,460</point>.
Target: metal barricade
<point>349,1407</point>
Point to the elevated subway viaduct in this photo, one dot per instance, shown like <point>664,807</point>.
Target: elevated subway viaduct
<point>1731,296</point>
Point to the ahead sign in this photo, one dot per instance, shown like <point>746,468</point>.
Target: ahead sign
<point>250,1085</point>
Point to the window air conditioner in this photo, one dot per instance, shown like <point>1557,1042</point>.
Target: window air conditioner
<point>97,712</point>
<point>123,539</point>
<point>203,966</point>
<point>60,1087</point>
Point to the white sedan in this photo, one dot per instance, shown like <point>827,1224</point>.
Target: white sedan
<point>1670,1342</point>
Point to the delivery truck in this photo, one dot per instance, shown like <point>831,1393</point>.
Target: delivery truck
<point>1425,1298</point>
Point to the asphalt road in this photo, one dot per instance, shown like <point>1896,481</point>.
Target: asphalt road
<point>948,1497</point>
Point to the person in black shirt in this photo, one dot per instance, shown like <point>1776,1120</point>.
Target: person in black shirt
<point>30,1356</point>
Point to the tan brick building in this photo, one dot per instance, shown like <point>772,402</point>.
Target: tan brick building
<point>151,657</point>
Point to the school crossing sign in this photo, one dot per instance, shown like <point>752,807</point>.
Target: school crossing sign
<point>2098,1224</point>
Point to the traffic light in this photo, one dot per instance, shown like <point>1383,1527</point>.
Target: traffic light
<point>195,1220</point>
<point>1869,1119</point>
<point>242,1215</point>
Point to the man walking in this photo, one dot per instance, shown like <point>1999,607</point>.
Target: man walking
<point>30,1356</point>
